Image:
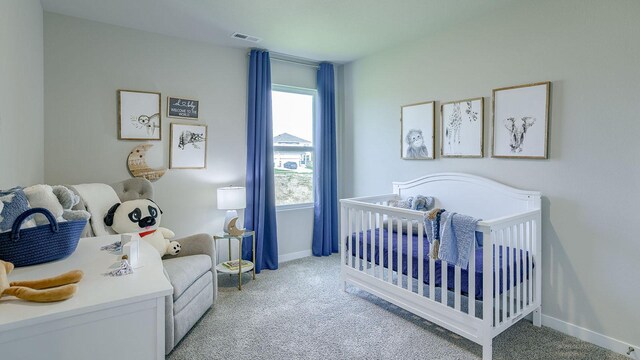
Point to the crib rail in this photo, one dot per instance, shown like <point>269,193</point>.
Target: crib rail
<point>511,246</point>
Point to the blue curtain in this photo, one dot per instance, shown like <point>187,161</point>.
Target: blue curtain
<point>325,207</point>
<point>260,214</point>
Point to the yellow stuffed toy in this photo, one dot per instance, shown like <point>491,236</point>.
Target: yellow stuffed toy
<point>56,288</point>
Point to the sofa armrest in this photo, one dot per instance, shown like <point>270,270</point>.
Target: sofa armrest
<point>199,244</point>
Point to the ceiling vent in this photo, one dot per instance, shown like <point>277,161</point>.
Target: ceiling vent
<point>245,37</point>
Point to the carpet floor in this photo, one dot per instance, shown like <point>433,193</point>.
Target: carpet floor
<point>301,312</point>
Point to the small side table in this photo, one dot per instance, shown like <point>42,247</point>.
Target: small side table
<point>241,269</point>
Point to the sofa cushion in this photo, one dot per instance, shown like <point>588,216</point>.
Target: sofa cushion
<point>184,271</point>
<point>184,301</point>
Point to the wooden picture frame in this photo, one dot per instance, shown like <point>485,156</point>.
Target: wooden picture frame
<point>417,131</point>
<point>183,108</point>
<point>139,115</point>
<point>520,121</point>
<point>462,128</point>
<point>188,146</point>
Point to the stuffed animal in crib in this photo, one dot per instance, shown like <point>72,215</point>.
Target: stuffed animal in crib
<point>142,216</point>
<point>58,200</point>
<point>422,203</point>
<point>57,288</point>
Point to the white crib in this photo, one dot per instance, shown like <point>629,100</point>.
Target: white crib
<point>511,220</point>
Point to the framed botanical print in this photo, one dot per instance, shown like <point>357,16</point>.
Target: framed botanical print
<point>462,125</point>
<point>521,121</point>
<point>139,115</point>
<point>188,148</point>
<point>417,129</point>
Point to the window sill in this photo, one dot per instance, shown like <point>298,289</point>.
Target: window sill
<point>292,207</point>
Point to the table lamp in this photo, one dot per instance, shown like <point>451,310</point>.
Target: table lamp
<point>231,198</point>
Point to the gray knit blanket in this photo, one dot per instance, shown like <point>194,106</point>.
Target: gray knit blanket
<point>457,235</point>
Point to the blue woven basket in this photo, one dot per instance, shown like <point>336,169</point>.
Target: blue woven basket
<point>40,244</point>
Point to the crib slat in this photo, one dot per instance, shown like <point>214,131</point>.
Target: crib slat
<point>372,228</point>
<point>504,277</point>
<point>399,242</point>
<point>530,260</point>
<point>359,237</point>
<point>456,288</point>
<point>518,269</point>
<point>380,245</point>
<point>374,236</point>
<point>350,225</point>
<point>471,272</point>
<point>365,237</point>
<point>444,281</point>
<point>432,278</point>
<point>512,245</point>
<point>390,250</point>
<point>409,255</point>
<point>496,278</point>
<point>420,259</point>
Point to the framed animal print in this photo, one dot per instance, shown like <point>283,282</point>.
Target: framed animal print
<point>188,148</point>
<point>462,124</point>
<point>521,121</point>
<point>139,115</point>
<point>417,130</point>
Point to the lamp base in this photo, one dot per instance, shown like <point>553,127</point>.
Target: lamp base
<point>227,219</point>
<point>231,214</point>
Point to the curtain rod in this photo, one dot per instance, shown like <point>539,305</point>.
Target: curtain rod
<point>281,58</point>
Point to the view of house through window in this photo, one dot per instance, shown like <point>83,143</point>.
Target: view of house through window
<point>293,111</point>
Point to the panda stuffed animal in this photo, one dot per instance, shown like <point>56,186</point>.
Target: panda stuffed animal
<point>142,216</point>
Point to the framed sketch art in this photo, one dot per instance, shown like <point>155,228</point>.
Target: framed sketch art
<point>188,148</point>
<point>139,115</point>
<point>417,129</point>
<point>462,124</point>
<point>521,121</point>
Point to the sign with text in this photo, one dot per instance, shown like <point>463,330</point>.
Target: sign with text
<point>182,108</point>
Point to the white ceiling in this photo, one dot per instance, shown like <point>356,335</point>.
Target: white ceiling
<point>333,30</point>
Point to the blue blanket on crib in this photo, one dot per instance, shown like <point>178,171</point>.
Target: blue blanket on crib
<point>464,283</point>
<point>458,234</point>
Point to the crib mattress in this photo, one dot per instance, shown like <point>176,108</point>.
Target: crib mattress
<point>464,281</point>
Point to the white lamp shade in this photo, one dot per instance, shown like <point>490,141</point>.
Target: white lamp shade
<point>232,198</point>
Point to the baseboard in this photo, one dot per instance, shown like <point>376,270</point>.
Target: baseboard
<point>293,256</point>
<point>593,337</point>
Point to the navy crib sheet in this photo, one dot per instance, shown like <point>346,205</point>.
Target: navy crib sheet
<point>464,281</point>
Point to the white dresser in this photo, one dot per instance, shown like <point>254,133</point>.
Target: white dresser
<point>108,318</point>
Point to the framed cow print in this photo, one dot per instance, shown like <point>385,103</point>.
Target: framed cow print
<point>521,121</point>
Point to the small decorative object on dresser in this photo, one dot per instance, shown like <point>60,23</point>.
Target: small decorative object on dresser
<point>521,121</point>
<point>182,108</point>
<point>137,164</point>
<point>417,131</point>
<point>139,115</point>
<point>188,148</point>
<point>462,124</point>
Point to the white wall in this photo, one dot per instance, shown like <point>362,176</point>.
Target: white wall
<point>86,62</point>
<point>591,53</point>
<point>21,93</point>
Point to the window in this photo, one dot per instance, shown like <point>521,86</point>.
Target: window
<point>293,116</point>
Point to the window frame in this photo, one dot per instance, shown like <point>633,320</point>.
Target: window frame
<point>314,94</point>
